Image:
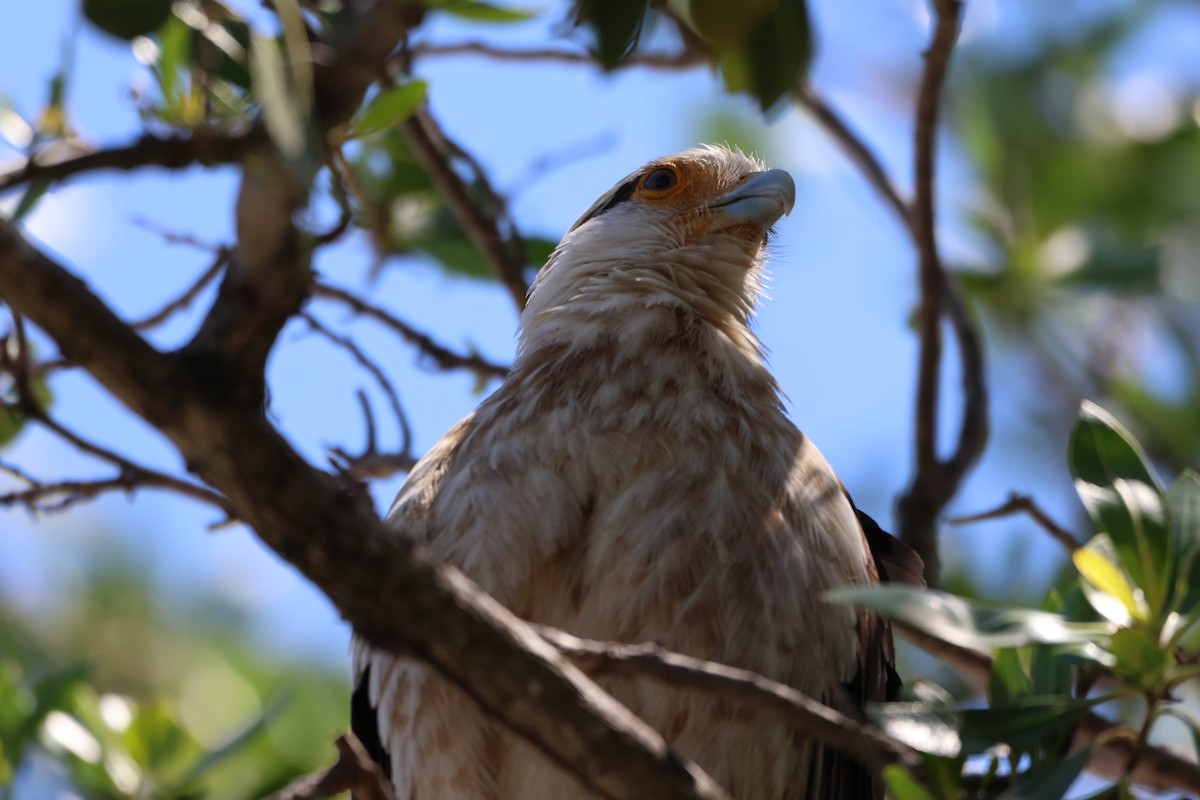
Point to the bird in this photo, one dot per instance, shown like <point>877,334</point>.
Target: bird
<point>636,478</point>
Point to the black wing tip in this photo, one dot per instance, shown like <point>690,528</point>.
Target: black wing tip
<point>364,723</point>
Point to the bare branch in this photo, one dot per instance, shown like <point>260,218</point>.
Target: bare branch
<point>1018,503</point>
<point>856,149</point>
<point>441,356</point>
<point>189,295</point>
<point>935,482</point>
<point>417,607</point>
<point>863,742</point>
<point>354,771</point>
<point>686,58</point>
<point>505,256</point>
<point>173,152</point>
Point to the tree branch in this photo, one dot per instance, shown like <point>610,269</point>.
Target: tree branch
<point>172,152</point>
<point>415,607</point>
<point>933,484</point>
<point>354,771</point>
<point>443,357</point>
<point>506,257</point>
<point>1018,503</point>
<point>865,743</point>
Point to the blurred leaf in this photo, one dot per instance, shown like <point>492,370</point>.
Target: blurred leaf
<point>127,19</point>
<point>925,728</point>
<point>281,109</point>
<point>479,11</point>
<point>1050,782</point>
<point>1183,505</point>
<point>388,109</point>
<point>1141,660</point>
<point>1023,724</point>
<point>33,193</point>
<point>1007,680</point>
<point>237,742</point>
<point>903,786</point>
<point>617,25</point>
<point>538,250</point>
<point>1122,498</point>
<point>1107,584</point>
<point>964,623</point>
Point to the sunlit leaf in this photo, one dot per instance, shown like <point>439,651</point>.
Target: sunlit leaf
<point>1183,504</point>
<point>237,741</point>
<point>1122,498</point>
<point>1106,582</point>
<point>1007,680</point>
<point>932,730</point>
<point>388,109</point>
<point>281,111</point>
<point>965,623</point>
<point>1141,660</point>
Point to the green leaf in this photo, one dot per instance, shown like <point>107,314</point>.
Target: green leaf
<point>1183,506</point>
<point>1141,660</point>
<point>1122,498</point>
<point>388,109</point>
<point>281,108</point>
<point>1023,724</point>
<point>902,785</point>
<point>127,19</point>
<point>965,623</point>
<point>237,742</point>
<point>33,193</point>
<point>1107,584</point>
<point>1050,782</point>
<point>931,729</point>
<point>480,12</point>
<point>1007,680</point>
<point>617,25</point>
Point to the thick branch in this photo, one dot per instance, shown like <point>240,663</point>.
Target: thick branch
<point>172,152</point>
<point>415,606</point>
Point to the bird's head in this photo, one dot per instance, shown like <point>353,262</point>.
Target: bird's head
<point>687,230</point>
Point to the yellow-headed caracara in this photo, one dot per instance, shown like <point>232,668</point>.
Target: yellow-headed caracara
<point>636,479</point>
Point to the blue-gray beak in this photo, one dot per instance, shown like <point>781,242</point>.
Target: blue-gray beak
<point>763,198</point>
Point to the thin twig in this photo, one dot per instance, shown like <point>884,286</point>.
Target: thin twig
<point>503,255</point>
<point>189,295</point>
<point>863,742</point>
<point>371,463</point>
<point>354,771</point>
<point>440,355</point>
<point>1019,503</point>
<point>173,152</point>
<point>688,57</point>
<point>856,149</point>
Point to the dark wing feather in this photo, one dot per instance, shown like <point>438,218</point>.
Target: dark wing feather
<point>364,724</point>
<point>877,680</point>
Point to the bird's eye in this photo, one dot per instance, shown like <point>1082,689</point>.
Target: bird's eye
<point>660,180</point>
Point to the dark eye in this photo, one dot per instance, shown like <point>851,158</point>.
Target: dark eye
<point>660,180</point>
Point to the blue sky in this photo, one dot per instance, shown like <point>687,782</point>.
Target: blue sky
<point>835,322</point>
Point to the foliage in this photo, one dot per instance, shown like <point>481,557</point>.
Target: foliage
<point>1135,631</point>
<point>120,695</point>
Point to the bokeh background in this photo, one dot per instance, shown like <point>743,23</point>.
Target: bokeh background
<point>1069,200</point>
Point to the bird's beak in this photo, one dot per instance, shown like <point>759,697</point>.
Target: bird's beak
<point>762,199</point>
